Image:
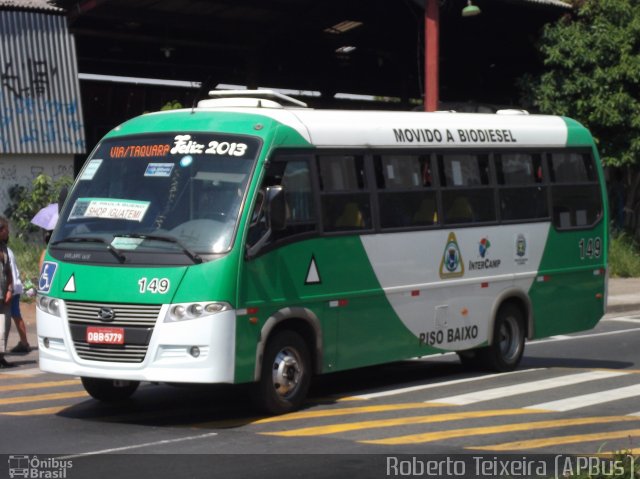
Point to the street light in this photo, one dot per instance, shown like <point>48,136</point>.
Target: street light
<point>470,10</point>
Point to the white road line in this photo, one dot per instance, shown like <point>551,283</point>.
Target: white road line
<point>583,336</point>
<point>522,388</point>
<point>394,392</point>
<point>625,320</point>
<point>138,446</point>
<point>585,400</point>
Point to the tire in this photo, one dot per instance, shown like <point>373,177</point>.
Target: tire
<point>109,390</point>
<point>506,349</point>
<point>286,374</point>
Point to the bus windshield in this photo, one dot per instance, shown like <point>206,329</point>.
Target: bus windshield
<point>179,193</point>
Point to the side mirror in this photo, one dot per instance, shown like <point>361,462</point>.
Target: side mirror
<point>276,207</point>
<point>275,213</point>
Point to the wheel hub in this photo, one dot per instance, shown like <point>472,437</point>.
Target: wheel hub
<point>509,340</point>
<point>287,371</point>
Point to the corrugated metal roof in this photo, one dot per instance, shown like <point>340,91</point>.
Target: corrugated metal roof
<point>38,5</point>
<point>40,108</point>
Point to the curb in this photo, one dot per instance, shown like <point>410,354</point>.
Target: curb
<point>622,308</point>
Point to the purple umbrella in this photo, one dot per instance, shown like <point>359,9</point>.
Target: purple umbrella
<point>47,217</point>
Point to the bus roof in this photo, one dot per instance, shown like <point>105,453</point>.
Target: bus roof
<point>351,128</point>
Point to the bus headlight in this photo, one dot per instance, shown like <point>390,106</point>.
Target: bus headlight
<point>48,304</point>
<point>185,311</point>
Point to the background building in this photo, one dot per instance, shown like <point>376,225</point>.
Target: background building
<point>41,126</point>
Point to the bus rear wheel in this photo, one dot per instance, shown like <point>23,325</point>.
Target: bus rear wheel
<point>506,349</point>
<point>109,390</point>
<point>286,374</point>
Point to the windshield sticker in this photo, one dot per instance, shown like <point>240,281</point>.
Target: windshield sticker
<point>129,210</point>
<point>90,170</point>
<point>138,151</point>
<point>126,243</point>
<point>159,170</point>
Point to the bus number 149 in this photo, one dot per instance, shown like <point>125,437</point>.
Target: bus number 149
<point>154,285</point>
<point>590,248</point>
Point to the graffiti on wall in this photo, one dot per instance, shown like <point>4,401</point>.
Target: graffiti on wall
<point>31,79</point>
<point>29,113</point>
<point>23,171</point>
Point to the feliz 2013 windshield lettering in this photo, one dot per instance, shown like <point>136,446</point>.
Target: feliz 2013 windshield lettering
<point>184,145</point>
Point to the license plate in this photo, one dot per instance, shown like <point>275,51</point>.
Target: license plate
<point>97,335</point>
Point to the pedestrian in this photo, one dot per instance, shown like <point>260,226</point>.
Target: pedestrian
<point>18,288</point>
<point>6,291</point>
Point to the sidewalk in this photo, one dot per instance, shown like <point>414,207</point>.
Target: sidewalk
<point>624,296</point>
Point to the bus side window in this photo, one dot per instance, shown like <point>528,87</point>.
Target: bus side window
<point>467,196</point>
<point>522,194</point>
<point>292,172</point>
<point>576,197</point>
<point>346,204</point>
<point>406,198</point>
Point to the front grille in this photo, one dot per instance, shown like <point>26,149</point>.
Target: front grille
<point>119,354</point>
<point>125,314</point>
<point>137,320</point>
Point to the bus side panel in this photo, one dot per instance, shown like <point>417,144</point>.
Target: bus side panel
<point>569,292</point>
<point>333,279</point>
<point>445,285</point>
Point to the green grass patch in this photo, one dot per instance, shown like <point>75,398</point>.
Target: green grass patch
<point>624,257</point>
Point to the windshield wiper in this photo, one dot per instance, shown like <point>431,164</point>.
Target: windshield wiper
<point>169,239</point>
<point>90,239</point>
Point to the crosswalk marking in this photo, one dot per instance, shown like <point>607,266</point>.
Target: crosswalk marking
<point>346,411</point>
<point>35,412</point>
<point>558,440</point>
<point>487,430</point>
<point>400,421</point>
<point>521,388</point>
<point>22,373</point>
<point>427,421</point>
<point>42,397</point>
<point>317,414</point>
<point>421,387</point>
<point>48,384</point>
<point>585,400</point>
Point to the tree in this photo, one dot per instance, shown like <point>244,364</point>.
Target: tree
<point>592,74</point>
<point>25,202</point>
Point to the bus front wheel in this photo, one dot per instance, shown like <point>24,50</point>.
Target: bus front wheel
<point>286,374</point>
<point>507,347</point>
<point>109,390</point>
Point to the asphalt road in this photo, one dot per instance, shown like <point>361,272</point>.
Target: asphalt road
<point>575,394</point>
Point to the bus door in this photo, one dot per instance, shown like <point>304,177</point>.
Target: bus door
<point>286,273</point>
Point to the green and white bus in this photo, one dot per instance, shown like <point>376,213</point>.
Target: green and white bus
<point>253,240</point>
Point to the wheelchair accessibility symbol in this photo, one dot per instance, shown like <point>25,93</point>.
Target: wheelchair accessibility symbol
<point>46,276</point>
